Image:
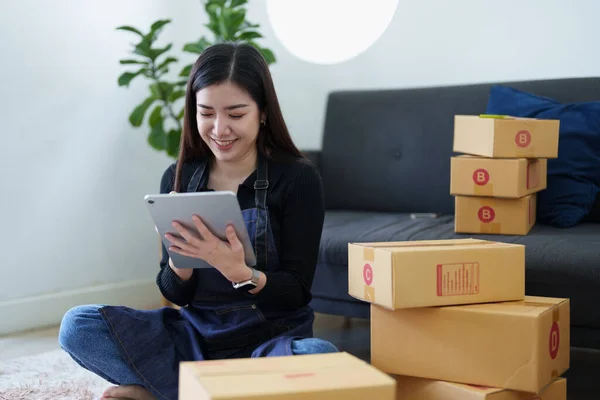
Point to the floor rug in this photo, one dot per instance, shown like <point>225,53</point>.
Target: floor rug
<point>48,376</point>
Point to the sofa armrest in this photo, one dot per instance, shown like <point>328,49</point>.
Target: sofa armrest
<point>313,156</point>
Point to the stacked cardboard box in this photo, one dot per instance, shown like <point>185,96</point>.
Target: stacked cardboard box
<point>503,167</point>
<point>450,319</point>
<point>303,377</point>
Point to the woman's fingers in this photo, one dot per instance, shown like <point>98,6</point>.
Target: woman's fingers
<point>234,241</point>
<point>202,229</point>
<point>186,234</point>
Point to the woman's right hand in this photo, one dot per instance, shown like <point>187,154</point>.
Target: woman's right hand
<point>183,274</point>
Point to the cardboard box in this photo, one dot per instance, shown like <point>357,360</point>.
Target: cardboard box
<point>409,388</point>
<point>436,272</point>
<point>495,216</point>
<point>497,177</point>
<point>506,137</point>
<point>520,345</point>
<point>314,377</point>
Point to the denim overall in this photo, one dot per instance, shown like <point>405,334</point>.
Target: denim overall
<point>220,322</point>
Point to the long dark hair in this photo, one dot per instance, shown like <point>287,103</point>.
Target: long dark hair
<point>243,65</point>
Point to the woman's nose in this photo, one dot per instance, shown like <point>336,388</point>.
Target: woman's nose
<point>220,127</point>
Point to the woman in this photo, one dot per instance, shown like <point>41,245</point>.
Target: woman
<point>234,138</point>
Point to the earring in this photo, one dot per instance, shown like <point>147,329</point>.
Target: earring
<point>263,122</point>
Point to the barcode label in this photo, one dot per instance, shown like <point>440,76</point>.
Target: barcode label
<point>457,279</point>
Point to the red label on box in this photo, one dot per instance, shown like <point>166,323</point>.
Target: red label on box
<point>368,274</point>
<point>554,341</point>
<point>533,175</point>
<point>486,214</point>
<point>481,177</point>
<point>523,138</point>
<point>457,279</point>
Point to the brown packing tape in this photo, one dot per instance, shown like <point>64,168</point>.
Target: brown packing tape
<point>369,254</point>
<point>485,190</point>
<point>555,314</point>
<point>491,226</point>
<point>372,246</point>
<point>369,293</point>
<point>529,152</point>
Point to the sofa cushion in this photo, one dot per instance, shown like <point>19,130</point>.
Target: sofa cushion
<point>573,177</point>
<point>560,262</point>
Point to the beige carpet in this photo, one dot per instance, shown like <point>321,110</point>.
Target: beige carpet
<point>48,376</point>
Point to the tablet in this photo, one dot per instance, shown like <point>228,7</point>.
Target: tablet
<point>216,209</point>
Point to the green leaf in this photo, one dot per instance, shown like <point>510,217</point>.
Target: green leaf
<point>157,137</point>
<point>197,47</point>
<point>155,53</point>
<point>181,113</point>
<point>235,21</point>
<point>156,116</point>
<point>161,90</point>
<point>125,62</point>
<point>248,25</point>
<point>173,140</point>
<point>237,3</point>
<point>126,77</point>
<point>176,95</point>
<point>137,116</point>
<point>186,71</point>
<point>166,62</point>
<point>143,48</point>
<point>268,55</point>
<point>159,24</point>
<point>130,29</point>
<point>218,3</point>
<point>249,35</point>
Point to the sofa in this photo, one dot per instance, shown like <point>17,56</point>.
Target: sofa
<point>386,154</point>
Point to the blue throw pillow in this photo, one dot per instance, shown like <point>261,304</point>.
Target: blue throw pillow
<point>573,177</point>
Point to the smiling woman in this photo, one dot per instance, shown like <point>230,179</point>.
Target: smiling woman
<point>234,138</point>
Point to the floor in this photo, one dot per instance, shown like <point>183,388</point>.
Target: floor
<point>351,335</point>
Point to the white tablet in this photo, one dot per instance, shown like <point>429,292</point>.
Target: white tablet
<point>217,210</point>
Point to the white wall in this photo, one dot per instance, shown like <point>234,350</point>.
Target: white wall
<point>74,172</point>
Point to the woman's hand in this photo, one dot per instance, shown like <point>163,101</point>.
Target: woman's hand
<point>226,256</point>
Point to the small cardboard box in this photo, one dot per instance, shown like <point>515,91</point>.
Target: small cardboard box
<point>520,345</point>
<point>410,388</point>
<point>314,377</point>
<point>436,272</point>
<point>495,216</point>
<point>497,177</point>
<point>506,137</point>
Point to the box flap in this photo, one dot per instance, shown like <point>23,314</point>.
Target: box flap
<point>275,384</point>
<point>531,306</point>
<point>296,364</point>
<point>251,378</point>
<point>428,245</point>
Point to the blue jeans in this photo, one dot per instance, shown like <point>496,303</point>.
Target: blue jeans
<point>85,337</point>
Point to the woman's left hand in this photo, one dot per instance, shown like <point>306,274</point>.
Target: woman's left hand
<point>225,256</point>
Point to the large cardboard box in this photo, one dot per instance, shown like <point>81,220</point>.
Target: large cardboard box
<point>497,177</point>
<point>314,377</point>
<point>495,216</point>
<point>520,345</point>
<point>506,137</point>
<point>436,272</point>
<point>410,388</point>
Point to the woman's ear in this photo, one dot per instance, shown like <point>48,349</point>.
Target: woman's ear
<point>263,116</point>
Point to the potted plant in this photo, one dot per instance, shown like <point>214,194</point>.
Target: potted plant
<point>227,22</point>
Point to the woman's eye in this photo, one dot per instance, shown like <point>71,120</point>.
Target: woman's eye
<point>236,116</point>
<point>206,115</point>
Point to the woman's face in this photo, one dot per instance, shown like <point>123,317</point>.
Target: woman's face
<point>228,121</point>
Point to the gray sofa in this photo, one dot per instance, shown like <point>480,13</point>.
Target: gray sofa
<point>386,154</point>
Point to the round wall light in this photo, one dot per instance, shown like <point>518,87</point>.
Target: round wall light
<point>329,31</point>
